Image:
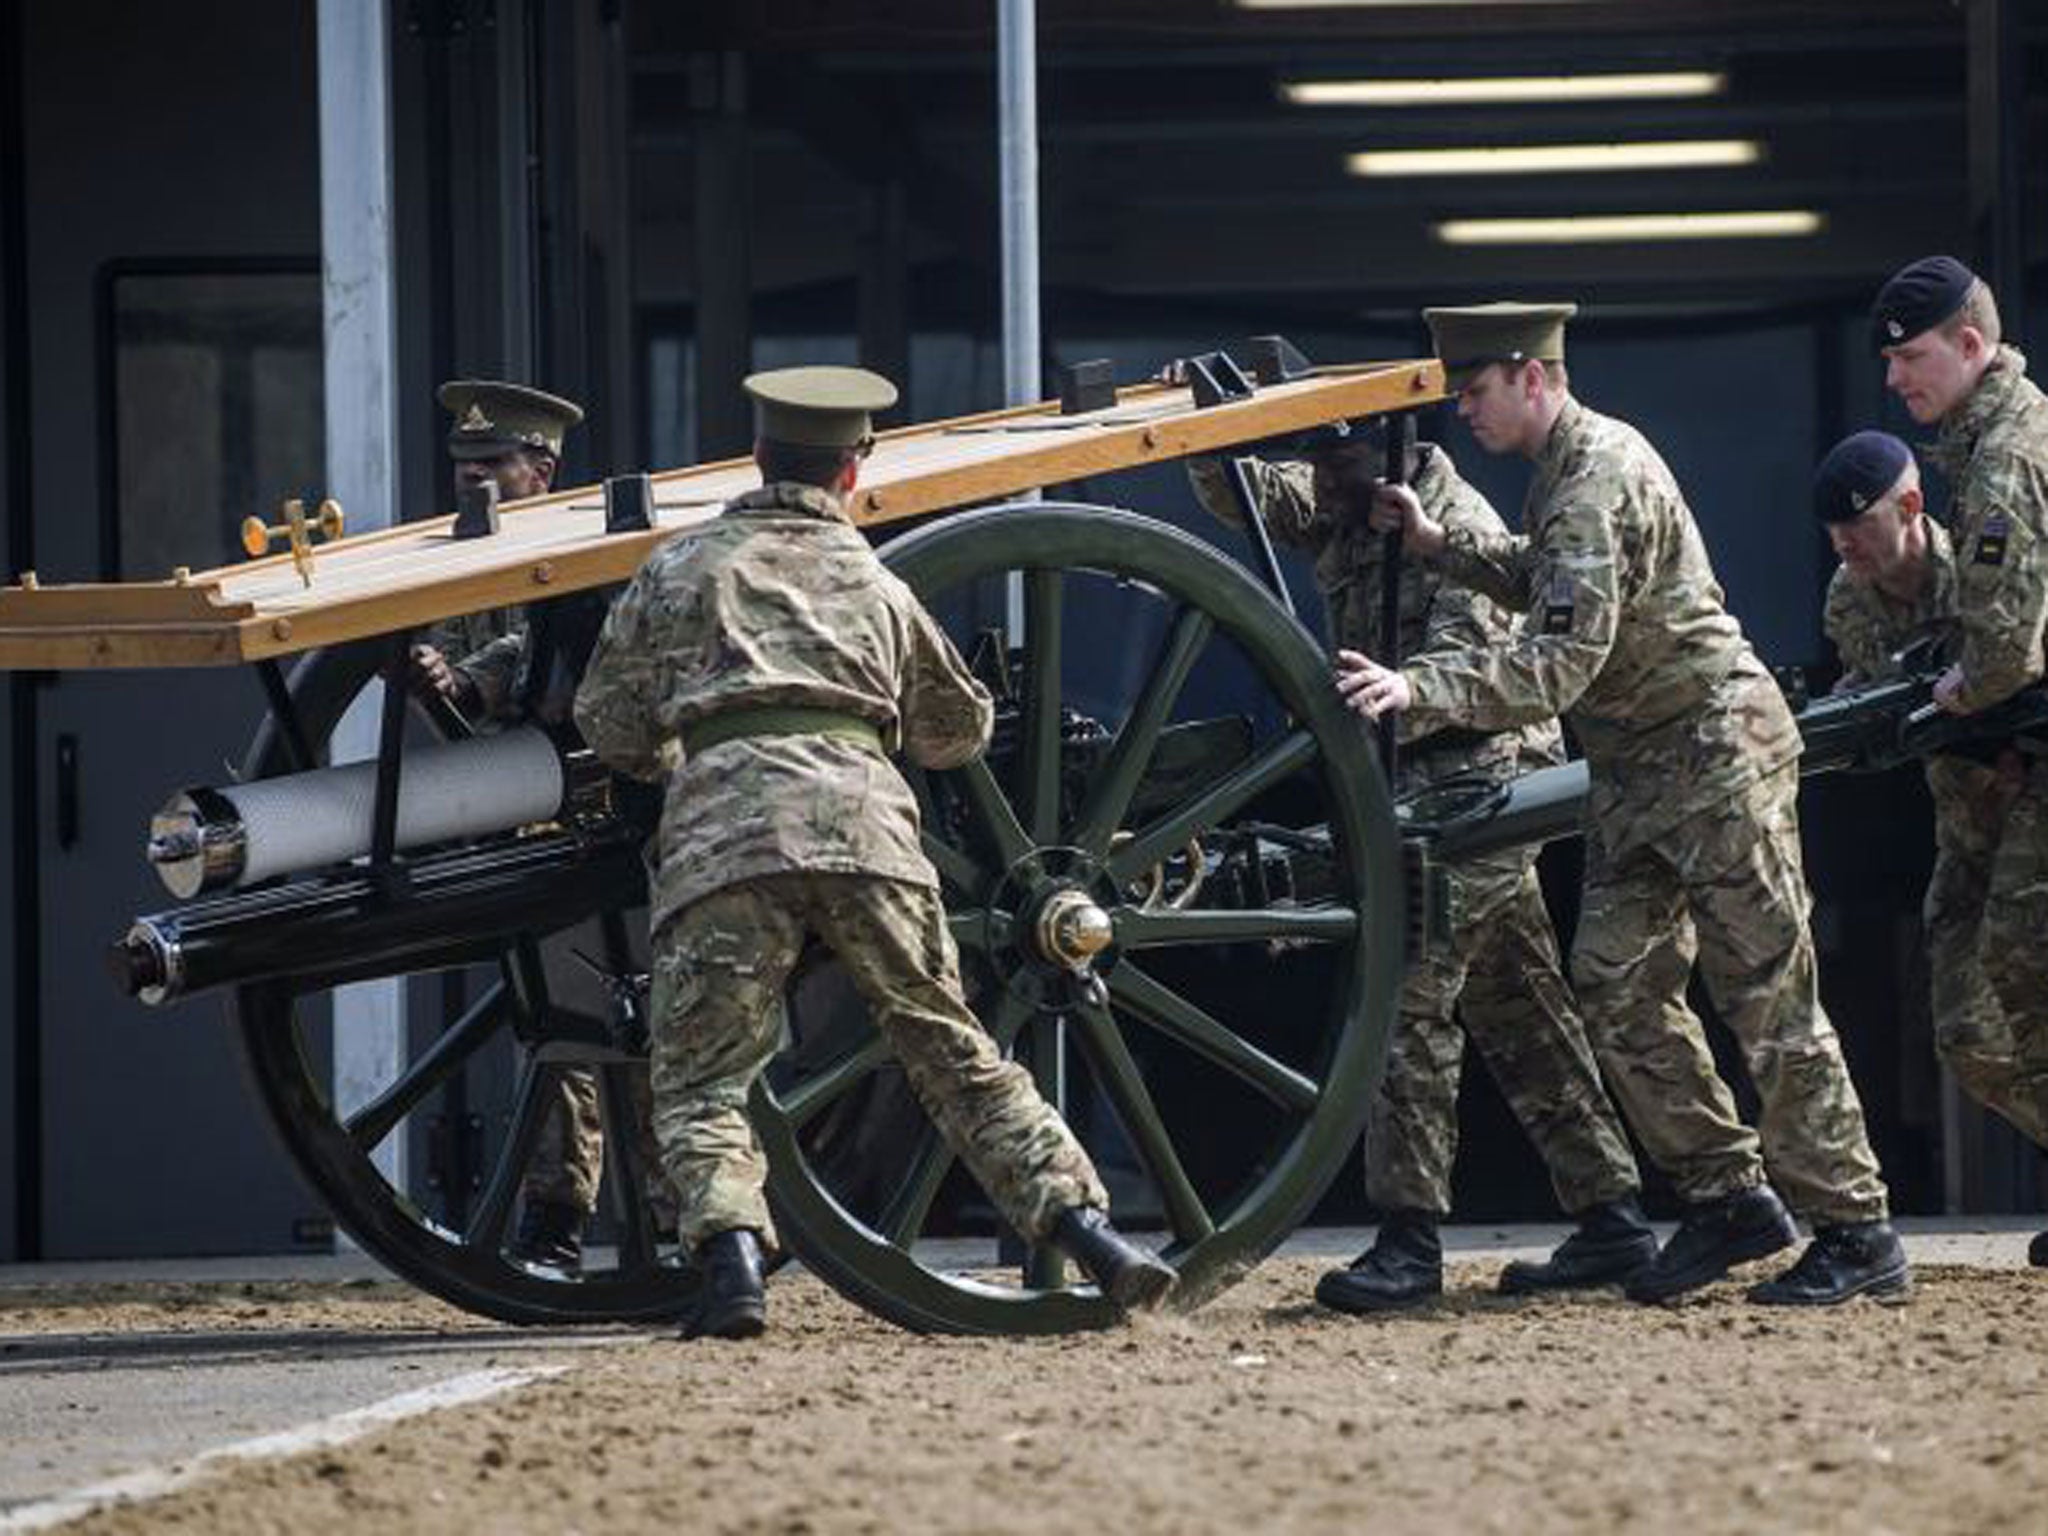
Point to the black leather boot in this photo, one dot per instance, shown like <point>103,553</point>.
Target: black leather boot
<point>550,1234</point>
<point>1863,1258</point>
<point>1404,1267</point>
<point>2037,1251</point>
<point>731,1303</point>
<point>1613,1241</point>
<point>1713,1238</point>
<point>1135,1280</point>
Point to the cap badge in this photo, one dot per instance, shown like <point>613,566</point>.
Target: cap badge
<point>1859,501</point>
<point>474,420</point>
<point>1896,331</point>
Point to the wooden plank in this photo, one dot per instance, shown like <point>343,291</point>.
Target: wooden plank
<point>138,602</point>
<point>104,647</point>
<point>416,574</point>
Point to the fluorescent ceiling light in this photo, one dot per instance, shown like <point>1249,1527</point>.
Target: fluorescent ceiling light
<point>1660,155</point>
<point>1380,5</point>
<point>1776,224</point>
<point>1502,88</point>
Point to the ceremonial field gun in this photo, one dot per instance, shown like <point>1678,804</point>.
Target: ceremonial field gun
<point>1170,757</point>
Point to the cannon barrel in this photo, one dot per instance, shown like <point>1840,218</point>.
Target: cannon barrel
<point>444,909</point>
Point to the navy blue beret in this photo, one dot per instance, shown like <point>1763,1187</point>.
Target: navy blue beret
<point>1918,298</point>
<point>1856,473</point>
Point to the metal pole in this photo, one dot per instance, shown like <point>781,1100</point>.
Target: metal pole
<point>1017,147</point>
<point>1017,109</point>
<point>1017,134</point>
<point>358,303</point>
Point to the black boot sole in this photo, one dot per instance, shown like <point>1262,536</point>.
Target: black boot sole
<point>1893,1286</point>
<point>1332,1293</point>
<point>1755,1245</point>
<point>1523,1279</point>
<point>735,1320</point>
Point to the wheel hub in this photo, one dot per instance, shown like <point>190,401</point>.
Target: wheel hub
<point>1071,929</point>
<point>1049,926</point>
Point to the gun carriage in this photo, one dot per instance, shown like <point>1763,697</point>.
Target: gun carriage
<point>1134,884</point>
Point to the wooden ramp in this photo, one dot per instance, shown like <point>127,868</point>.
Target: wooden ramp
<point>418,573</point>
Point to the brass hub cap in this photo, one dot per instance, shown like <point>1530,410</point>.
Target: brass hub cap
<point>1072,930</point>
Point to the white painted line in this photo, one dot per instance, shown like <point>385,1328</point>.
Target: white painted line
<point>155,1482</point>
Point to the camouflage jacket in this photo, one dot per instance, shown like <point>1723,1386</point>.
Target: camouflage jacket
<point>1626,637</point>
<point>1868,628</point>
<point>778,602</point>
<point>1435,614</point>
<point>1994,448</point>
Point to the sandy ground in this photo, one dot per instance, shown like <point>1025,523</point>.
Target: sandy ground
<point>126,1307</point>
<point>1258,1413</point>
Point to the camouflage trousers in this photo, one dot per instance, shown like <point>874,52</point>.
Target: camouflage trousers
<point>1986,917</point>
<point>1725,889</point>
<point>721,965</point>
<point>1499,971</point>
<point>568,1158</point>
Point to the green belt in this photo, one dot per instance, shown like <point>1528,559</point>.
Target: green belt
<point>733,724</point>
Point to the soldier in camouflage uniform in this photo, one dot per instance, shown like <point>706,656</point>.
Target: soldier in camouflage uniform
<point>511,436</point>
<point>1896,591</point>
<point>762,667</point>
<point>1693,839</point>
<point>1936,325</point>
<point>1498,967</point>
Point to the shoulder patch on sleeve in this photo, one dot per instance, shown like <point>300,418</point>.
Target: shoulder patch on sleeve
<point>1560,605</point>
<point>1991,540</point>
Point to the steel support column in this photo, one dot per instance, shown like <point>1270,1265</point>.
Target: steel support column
<point>359,302</point>
<point>1017,97</point>
<point>1017,109</point>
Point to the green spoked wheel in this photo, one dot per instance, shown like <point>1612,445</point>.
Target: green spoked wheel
<point>1175,883</point>
<point>527,1015</point>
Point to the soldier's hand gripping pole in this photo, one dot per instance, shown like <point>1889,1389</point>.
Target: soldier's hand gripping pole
<point>1400,448</point>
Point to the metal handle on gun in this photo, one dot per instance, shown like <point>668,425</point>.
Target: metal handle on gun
<point>1255,525</point>
<point>1400,444</point>
<point>1213,378</point>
